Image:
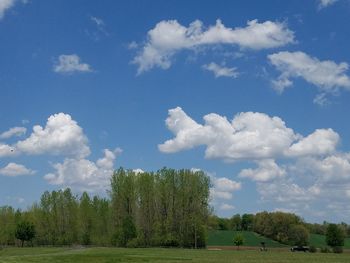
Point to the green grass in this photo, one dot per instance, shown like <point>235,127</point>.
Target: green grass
<point>320,241</point>
<point>109,255</point>
<point>251,239</point>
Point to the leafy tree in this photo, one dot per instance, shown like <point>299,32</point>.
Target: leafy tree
<point>25,231</point>
<point>335,236</point>
<point>298,235</point>
<point>238,240</point>
<point>236,222</point>
<point>247,222</point>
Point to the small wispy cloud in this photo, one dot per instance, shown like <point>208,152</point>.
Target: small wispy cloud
<point>221,71</point>
<point>68,64</point>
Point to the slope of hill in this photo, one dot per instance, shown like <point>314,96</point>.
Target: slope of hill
<point>320,241</point>
<point>251,239</point>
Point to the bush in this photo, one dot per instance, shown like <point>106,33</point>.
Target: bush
<point>133,243</point>
<point>313,249</point>
<point>338,250</point>
<point>325,250</point>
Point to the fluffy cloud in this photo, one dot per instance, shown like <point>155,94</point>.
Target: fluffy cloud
<point>266,171</point>
<point>6,150</point>
<point>327,75</point>
<point>14,169</point>
<point>334,169</point>
<point>320,142</point>
<point>15,131</point>
<point>5,5</point>
<point>61,136</point>
<point>68,64</point>
<point>83,174</point>
<point>249,136</point>
<point>221,71</point>
<point>325,3</point>
<point>169,37</point>
<point>223,188</point>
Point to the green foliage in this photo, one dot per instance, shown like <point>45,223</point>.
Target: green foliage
<point>313,249</point>
<point>167,208</point>
<point>25,231</point>
<point>251,239</point>
<point>337,250</point>
<point>277,226</point>
<point>325,250</point>
<point>335,236</point>
<point>298,235</point>
<point>247,222</point>
<point>238,240</point>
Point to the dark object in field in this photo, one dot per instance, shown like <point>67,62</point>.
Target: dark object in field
<point>300,248</point>
<point>263,246</point>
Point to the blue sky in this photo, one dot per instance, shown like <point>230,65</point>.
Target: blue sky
<point>255,93</point>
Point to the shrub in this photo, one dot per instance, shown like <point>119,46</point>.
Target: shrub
<point>325,250</point>
<point>313,249</point>
<point>132,243</point>
<point>338,250</point>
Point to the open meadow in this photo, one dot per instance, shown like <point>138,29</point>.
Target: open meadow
<point>100,255</point>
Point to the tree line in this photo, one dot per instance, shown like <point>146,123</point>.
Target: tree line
<point>164,208</point>
<point>286,228</point>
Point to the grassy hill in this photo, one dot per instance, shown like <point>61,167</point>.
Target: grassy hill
<point>251,239</point>
<point>320,241</point>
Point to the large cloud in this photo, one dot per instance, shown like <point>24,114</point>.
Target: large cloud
<point>327,75</point>
<point>61,136</point>
<point>83,174</point>
<point>249,136</point>
<point>169,37</point>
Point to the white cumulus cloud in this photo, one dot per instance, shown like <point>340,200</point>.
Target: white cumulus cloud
<point>327,75</point>
<point>266,171</point>
<point>83,174</point>
<point>170,37</point>
<point>249,136</point>
<point>320,142</point>
<point>223,188</point>
<point>14,169</point>
<point>69,64</point>
<point>61,136</point>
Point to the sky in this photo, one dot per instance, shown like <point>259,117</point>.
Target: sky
<point>254,93</point>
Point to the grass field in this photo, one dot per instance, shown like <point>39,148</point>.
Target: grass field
<point>251,239</point>
<point>109,255</point>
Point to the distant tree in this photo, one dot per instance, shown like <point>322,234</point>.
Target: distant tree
<point>238,240</point>
<point>236,222</point>
<point>25,231</point>
<point>298,235</point>
<point>335,236</point>
<point>247,222</point>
